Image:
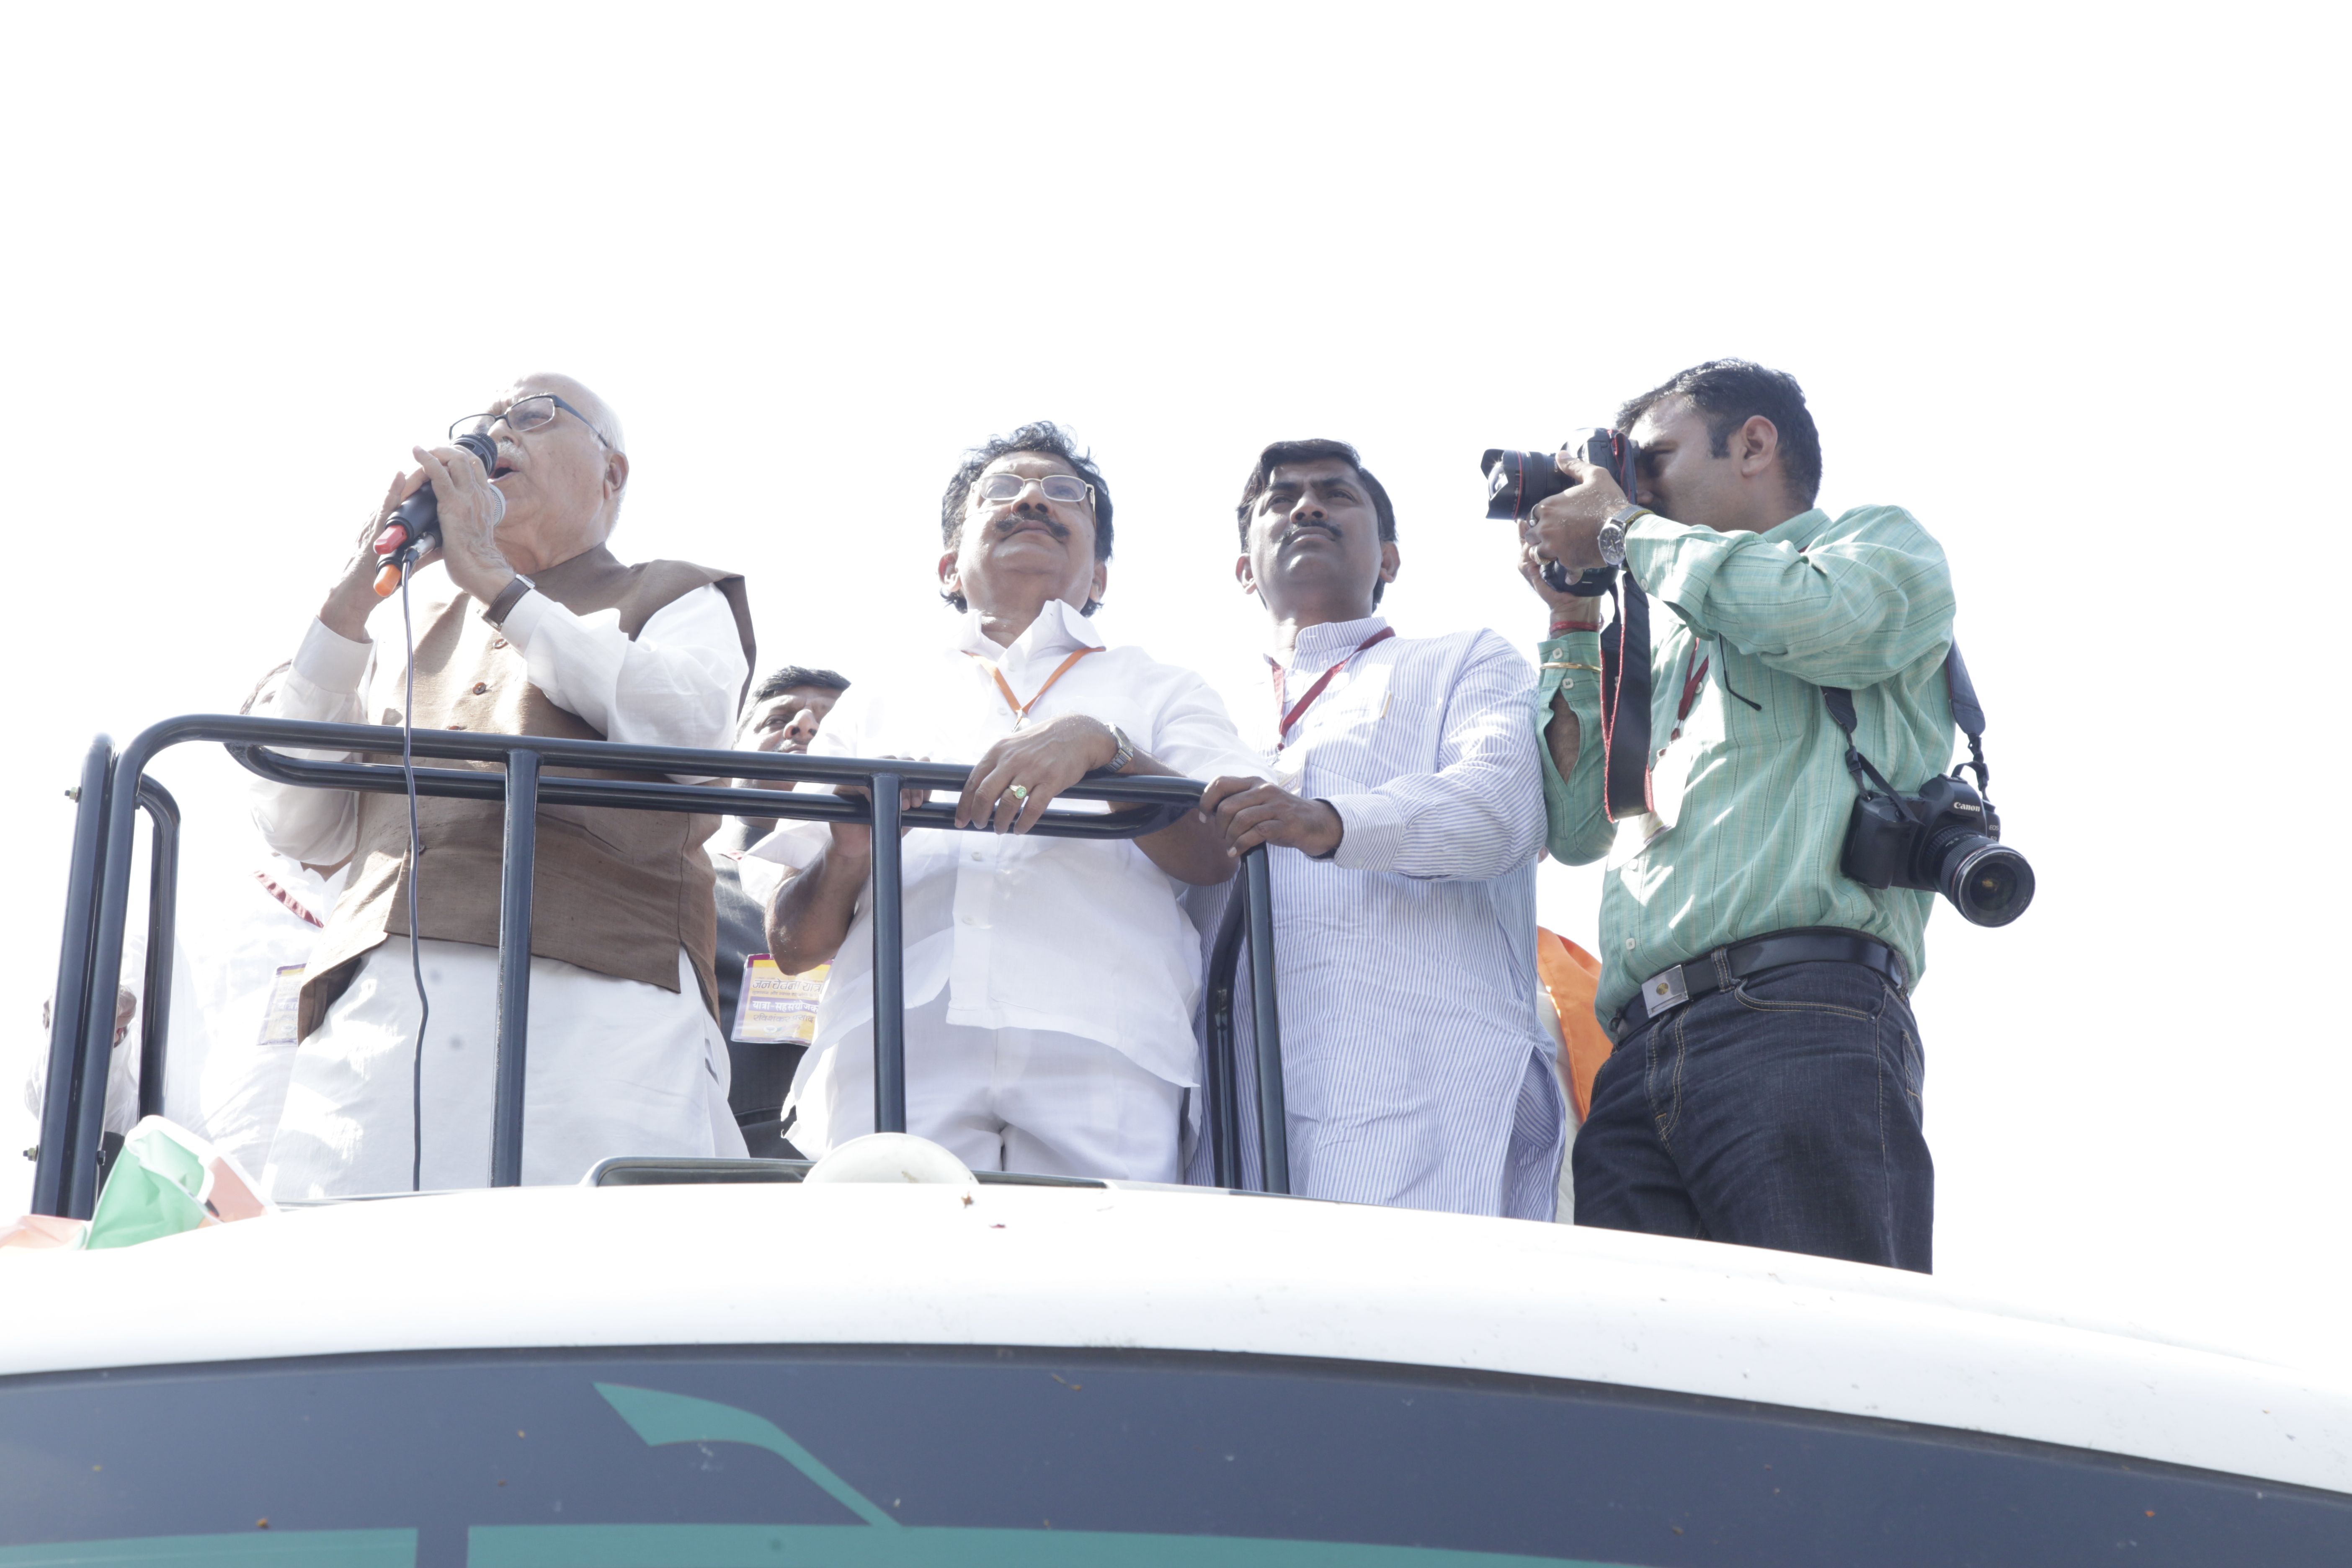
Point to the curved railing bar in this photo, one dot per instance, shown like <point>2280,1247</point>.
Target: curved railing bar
<point>651,794</point>
<point>81,1037</point>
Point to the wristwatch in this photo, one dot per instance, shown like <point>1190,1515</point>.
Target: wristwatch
<point>1612,534</point>
<point>497,611</point>
<point>1121,757</point>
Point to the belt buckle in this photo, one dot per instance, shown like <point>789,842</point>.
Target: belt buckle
<point>1664,992</point>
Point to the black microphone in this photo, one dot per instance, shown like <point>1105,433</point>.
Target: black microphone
<point>416,527</point>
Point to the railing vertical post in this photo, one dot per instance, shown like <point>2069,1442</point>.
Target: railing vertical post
<point>62,1101</point>
<point>162,931</point>
<point>889,964</point>
<point>514,967</point>
<point>1225,1102</point>
<point>1273,1121</point>
<point>105,977</point>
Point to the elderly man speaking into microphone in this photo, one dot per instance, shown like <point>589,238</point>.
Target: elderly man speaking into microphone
<point>530,626</point>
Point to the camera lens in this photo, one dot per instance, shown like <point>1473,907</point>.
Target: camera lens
<point>1517,480</point>
<point>1988,882</point>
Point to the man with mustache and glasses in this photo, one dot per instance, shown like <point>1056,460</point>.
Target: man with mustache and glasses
<point>1407,814</point>
<point>524,624</point>
<point>1049,982</point>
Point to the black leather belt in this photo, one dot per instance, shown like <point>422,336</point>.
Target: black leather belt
<point>1668,989</point>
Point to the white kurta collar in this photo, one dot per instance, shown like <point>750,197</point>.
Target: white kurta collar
<point>1320,647</point>
<point>1058,629</point>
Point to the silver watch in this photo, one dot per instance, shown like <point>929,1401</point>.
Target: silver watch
<point>1612,539</point>
<point>1124,755</point>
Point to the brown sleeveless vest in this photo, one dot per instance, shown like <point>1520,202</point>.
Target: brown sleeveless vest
<point>614,892</point>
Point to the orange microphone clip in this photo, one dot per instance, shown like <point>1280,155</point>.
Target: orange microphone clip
<point>387,544</point>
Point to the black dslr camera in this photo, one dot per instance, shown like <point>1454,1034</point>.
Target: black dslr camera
<point>1515,481</point>
<point>1947,839</point>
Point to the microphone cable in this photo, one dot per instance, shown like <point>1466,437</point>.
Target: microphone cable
<point>419,519</point>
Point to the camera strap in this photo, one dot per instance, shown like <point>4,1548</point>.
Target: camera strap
<point>1625,678</point>
<point>1966,712</point>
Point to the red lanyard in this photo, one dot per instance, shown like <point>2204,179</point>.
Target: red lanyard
<point>1020,709</point>
<point>1299,709</point>
<point>1693,684</point>
<point>283,897</point>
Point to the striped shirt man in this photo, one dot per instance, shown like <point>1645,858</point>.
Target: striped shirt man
<point>1416,1070</point>
<point>1407,816</point>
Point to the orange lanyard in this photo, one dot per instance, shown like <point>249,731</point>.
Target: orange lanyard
<point>1020,709</point>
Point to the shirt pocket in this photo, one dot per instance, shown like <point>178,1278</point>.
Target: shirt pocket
<point>1343,733</point>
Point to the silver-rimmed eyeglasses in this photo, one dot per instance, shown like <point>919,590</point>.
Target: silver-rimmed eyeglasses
<point>533,413</point>
<point>1062,487</point>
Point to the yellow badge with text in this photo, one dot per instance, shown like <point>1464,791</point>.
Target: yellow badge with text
<point>774,1007</point>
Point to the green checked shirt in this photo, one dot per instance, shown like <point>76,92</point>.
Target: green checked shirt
<point>1751,803</point>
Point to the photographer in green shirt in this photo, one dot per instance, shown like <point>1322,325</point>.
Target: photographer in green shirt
<point>1765,1087</point>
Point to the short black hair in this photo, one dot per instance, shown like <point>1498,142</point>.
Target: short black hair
<point>1047,440</point>
<point>793,677</point>
<point>1280,454</point>
<point>1730,391</point>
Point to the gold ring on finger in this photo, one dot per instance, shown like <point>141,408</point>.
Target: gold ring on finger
<point>1019,793</point>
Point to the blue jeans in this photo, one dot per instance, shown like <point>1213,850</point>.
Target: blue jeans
<point>1783,1112</point>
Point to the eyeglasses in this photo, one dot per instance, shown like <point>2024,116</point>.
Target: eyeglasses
<point>534,413</point>
<point>1055,487</point>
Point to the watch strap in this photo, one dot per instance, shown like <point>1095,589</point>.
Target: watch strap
<point>497,611</point>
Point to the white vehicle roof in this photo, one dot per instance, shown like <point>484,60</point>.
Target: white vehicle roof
<point>1124,1268</point>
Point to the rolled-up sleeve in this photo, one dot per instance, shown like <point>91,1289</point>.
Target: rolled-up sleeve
<point>1863,600</point>
<point>1480,813</point>
<point>1578,831</point>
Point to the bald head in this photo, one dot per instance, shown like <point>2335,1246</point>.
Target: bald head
<point>563,480</point>
<point>577,393</point>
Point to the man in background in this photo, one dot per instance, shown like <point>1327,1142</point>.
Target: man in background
<point>782,716</point>
<point>1406,814</point>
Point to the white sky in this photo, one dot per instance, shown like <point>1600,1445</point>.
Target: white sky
<point>2052,279</point>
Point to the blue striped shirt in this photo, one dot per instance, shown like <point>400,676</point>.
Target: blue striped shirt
<point>1414,1068</point>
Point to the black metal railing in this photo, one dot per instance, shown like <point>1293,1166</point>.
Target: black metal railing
<point>115,787</point>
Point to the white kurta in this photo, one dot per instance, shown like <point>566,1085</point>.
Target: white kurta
<point>233,990</point>
<point>241,945</point>
<point>1062,936</point>
<point>1414,1067</point>
<point>615,1067</point>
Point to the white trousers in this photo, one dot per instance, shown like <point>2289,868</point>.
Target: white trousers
<point>613,1067</point>
<point>1001,1100</point>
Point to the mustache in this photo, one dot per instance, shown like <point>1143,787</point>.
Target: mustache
<point>1327,530</point>
<point>1051,525</point>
